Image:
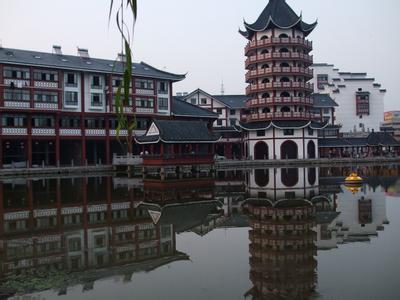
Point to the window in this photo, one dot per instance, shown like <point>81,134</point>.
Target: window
<point>70,123</point>
<point>96,82</point>
<point>145,102</point>
<point>193,101</point>
<point>163,103</point>
<point>45,75</point>
<point>16,95</point>
<point>74,244</point>
<point>46,97</point>
<point>219,122</point>
<point>71,80</point>
<point>144,84</point>
<point>93,123</point>
<point>71,98</point>
<point>326,110</point>
<point>310,131</point>
<point>232,112</point>
<point>13,121</point>
<point>97,100</point>
<point>288,132</point>
<point>203,100</point>
<point>99,241</point>
<point>43,121</point>
<point>219,111</point>
<point>322,79</point>
<point>260,132</point>
<point>233,122</point>
<point>162,87</point>
<point>16,73</point>
<point>116,82</point>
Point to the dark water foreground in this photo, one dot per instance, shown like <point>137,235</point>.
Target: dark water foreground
<point>265,234</point>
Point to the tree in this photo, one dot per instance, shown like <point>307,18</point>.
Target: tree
<point>124,121</point>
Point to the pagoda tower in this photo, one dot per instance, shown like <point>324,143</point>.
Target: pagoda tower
<point>280,121</point>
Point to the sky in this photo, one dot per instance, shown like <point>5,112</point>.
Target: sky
<point>201,38</point>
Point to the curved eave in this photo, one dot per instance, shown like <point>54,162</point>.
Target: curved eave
<point>194,116</point>
<point>323,125</point>
<point>243,126</point>
<point>304,27</point>
<point>291,127</point>
<point>173,77</point>
<point>159,139</point>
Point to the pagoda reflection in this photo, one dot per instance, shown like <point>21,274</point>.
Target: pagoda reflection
<point>282,236</point>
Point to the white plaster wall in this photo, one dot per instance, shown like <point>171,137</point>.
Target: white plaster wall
<point>280,138</point>
<point>89,91</point>
<point>347,204</point>
<point>73,89</point>
<point>346,98</point>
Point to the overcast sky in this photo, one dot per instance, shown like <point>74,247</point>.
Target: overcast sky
<point>200,36</point>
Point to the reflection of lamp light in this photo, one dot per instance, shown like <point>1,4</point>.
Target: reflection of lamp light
<point>354,189</point>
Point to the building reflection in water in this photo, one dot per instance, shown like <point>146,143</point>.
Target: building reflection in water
<point>282,239</point>
<point>62,232</point>
<point>78,230</point>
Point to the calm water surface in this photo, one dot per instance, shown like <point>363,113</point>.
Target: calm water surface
<point>259,234</point>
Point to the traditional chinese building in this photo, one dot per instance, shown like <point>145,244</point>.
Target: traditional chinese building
<point>59,109</point>
<point>280,123</point>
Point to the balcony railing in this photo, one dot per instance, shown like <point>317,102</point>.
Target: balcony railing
<point>278,55</point>
<point>270,86</point>
<point>278,41</point>
<point>184,158</point>
<point>260,102</point>
<point>279,116</point>
<point>279,71</point>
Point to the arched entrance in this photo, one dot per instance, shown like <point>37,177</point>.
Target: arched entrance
<point>261,177</point>
<point>261,151</point>
<point>289,150</point>
<point>290,177</point>
<point>312,176</point>
<point>311,149</point>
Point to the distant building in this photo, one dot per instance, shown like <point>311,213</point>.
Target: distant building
<point>391,123</point>
<point>360,99</point>
<point>230,109</point>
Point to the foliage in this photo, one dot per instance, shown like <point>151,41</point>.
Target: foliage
<point>124,121</point>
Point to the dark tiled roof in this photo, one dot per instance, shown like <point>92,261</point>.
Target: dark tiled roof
<point>277,14</point>
<point>255,125</point>
<point>282,124</point>
<point>382,138</point>
<point>333,142</point>
<point>290,124</point>
<point>70,62</point>
<point>173,131</point>
<point>232,101</point>
<point>227,129</point>
<point>184,109</point>
<point>373,139</point>
<point>323,100</point>
<point>185,216</point>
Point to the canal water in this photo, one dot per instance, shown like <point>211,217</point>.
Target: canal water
<point>296,233</point>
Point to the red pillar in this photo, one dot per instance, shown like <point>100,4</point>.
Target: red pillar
<point>108,154</point>
<point>29,142</point>
<point>1,150</point>
<point>83,139</point>
<point>1,208</point>
<point>57,140</point>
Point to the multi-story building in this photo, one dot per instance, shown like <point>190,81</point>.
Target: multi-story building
<point>391,123</point>
<point>280,123</point>
<point>360,100</point>
<point>230,109</point>
<point>59,109</point>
